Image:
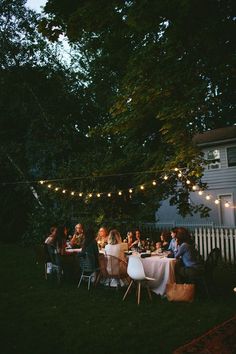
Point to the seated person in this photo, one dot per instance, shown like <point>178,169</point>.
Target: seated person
<point>78,237</point>
<point>173,244</point>
<point>188,267</point>
<point>158,246</point>
<point>89,245</point>
<point>130,238</point>
<point>138,242</point>
<point>51,237</point>
<point>165,240</point>
<point>116,248</point>
<point>102,237</point>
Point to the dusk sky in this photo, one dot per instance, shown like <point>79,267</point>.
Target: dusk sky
<point>36,4</point>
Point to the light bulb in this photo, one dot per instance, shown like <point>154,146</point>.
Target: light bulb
<point>200,192</point>
<point>208,197</point>
<point>109,195</point>
<point>130,190</point>
<point>72,193</point>
<point>80,194</point>
<point>154,183</point>
<point>64,191</point>
<point>194,188</point>
<point>142,187</point>
<point>217,201</point>
<point>120,193</point>
<point>98,195</point>
<point>49,186</point>
<point>227,204</point>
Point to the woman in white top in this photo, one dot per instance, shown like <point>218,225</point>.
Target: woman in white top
<point>115,248</point>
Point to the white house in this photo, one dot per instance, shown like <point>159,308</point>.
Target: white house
<point>219,147</point>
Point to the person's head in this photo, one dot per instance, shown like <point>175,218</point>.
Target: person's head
<point>89,236</point>
<point>130,235</point>
<point>114,237</point>
<point>165,236</point>
<point>102,232</point>
<point>158,245</point>
<point>61,234</point>
<point>173,232</point>
<point>79,229</point>
<point>182,235</point>
<point>137,234</point>
<point>53,230</point>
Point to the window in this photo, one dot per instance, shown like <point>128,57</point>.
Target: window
<point>213,158</point>
<point>231,156</point>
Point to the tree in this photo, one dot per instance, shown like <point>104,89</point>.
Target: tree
<point>158,71</point>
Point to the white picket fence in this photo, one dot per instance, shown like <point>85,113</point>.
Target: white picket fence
<point>224,238</point>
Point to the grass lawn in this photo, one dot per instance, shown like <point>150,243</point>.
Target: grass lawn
<point>38,316</point>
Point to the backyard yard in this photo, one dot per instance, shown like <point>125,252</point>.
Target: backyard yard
<point>38,316</point>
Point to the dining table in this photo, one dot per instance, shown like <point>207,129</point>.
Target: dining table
<point>162,269</point>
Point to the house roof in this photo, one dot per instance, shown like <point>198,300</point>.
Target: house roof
<point>216,135</point>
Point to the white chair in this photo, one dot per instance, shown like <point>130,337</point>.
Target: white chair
<point>136,272</point>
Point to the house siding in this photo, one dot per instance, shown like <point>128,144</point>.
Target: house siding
<point>220,182</point>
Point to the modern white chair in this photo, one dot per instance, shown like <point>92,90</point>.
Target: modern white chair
<point>136,272</point>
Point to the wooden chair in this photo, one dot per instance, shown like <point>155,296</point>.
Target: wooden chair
<point>116,269</point>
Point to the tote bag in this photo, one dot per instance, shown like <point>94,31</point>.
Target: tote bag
<point>180,292</point>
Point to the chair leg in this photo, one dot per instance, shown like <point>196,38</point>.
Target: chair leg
<point>149,293</point>
<point>80,280</point>
<point>98,276</point>
<point>128,289</point>
<point>139,292</point>
<point>45,271</point>
<point>89,281</point>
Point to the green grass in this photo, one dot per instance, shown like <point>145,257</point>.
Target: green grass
<point>38,316</point>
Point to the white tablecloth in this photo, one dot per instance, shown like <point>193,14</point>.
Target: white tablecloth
<point>160,268</point>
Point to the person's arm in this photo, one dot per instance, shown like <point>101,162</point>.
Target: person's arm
<point>180,251</point>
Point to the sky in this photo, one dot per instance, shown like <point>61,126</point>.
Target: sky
<point>36,4</point>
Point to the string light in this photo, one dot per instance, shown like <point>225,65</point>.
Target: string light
<point>141,187</point>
